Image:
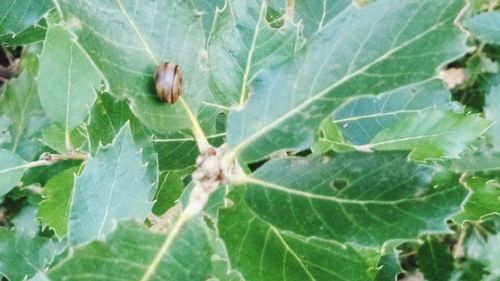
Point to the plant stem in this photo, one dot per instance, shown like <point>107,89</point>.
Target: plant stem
<point>201,140</point>
<point>181,221</point>
<point>290,8</point>
<point>50,159</point>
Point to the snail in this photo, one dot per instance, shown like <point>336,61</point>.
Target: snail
<point>168,82</point>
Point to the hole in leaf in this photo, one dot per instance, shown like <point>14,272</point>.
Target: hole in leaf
<point>274,18</point>
<point>339,184</point>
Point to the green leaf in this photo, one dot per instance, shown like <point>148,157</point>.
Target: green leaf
<point>365,199</point>
<point>23,255</point>
<point>331,138</point>
<point>12,168</point>
<point>484,201</point>
<point>114,186</point>
<point>209,9</point>
<point>260,251</point>
<point>492,112</point>
<point>362,118</point>
<point>54,209</point>
<point>149,33</point>
<point>390,267</point>
<point>435,260</point>
<point>482,245</point>
<point>389,46</point>
<point>485,26</point>
<point>433,134</point>
<point>22,106</point>
<point>107,117</point>
<point>68,101</point>
<point>242,42</point>
<point>5,136</point>
<point>42,174</point>
<point>55,137</point>
<point>469,271</point>
<point>28,36</point>
<point>478,161</point>
<point>314,15</point>
<point>169,191</point>
<point>176,151</point>
<point>127,254</point>
<point>26,221</point>
<point>18,15</point>
<point>221,264</point>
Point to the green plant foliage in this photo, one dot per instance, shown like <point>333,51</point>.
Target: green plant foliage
<point>66,102</point>
<point>169,190</point>
<point>242,43</point>
<point>17,16</point>
<point>54,209</point>
<point>22,255</point>
<point>485,26</point>
<point>482,245</point>
<point>127,254</point>
<point>55,138</point>
<point>362,118</point>
<point>323,72</point>
<point>113,186</point>
<point>484,201</point>
<point>21,105</point>
<point>145,40</point>
<point>345,198</point>
<point>435,261</point>
<point>314,140</point>
<point>265,252</point>
<point>11,170</point>
<point>432,134</point>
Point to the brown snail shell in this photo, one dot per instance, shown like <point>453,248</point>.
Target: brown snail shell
<point>168,82</point>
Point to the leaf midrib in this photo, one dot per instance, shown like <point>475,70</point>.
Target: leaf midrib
<point>309,195</point>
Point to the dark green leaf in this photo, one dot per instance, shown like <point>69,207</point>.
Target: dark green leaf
<point>169,191</point>
<point>361,198</point>
<point>260,251</point>
<point>435,260</point>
